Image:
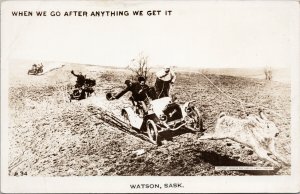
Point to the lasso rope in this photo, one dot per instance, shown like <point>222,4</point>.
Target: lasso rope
<point>235,99</point>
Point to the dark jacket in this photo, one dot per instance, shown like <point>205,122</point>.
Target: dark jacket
<point>80,80</point>
<point>139,93</point>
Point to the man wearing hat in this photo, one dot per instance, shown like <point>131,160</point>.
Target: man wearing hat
<point>165,78</point>
<point>139,92</point>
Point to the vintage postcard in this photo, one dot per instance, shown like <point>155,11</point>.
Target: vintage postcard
<point>150,96</point>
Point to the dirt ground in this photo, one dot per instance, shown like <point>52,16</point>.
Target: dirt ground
<point>50,136</point>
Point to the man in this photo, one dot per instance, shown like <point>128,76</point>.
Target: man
<point>80,79</point>
<point>139,92</point>
<point>39,68</point>
<point>40,65</point>
<point>34,67</point>
<point>143,97</point>
<point>165,78</point>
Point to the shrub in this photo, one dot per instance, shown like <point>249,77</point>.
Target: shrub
<point>268,73</point>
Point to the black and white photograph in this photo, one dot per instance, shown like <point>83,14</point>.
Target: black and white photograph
<point>149,96</point>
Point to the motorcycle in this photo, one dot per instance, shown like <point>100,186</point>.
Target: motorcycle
<point>36,69</point>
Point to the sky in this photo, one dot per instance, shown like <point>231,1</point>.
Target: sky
<point>197,33</point>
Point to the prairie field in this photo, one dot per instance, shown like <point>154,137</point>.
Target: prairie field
<point>49,136</point>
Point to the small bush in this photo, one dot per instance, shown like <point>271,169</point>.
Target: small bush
<point>139,67</point>
<point>268,73</point>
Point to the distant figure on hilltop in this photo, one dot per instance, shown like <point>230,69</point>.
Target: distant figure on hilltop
<point>36,69</point>
<point>80,79</point>
<point>165,78</point>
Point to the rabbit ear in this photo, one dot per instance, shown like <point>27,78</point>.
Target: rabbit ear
<point>262,115</point>
<point>254,119</point>
<point>222,114</point>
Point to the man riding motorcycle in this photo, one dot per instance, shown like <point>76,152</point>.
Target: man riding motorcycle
<point>80,79</point>
<point>83,87</point>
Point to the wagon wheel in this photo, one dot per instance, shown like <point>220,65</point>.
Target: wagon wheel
<point>126,120</point>
<point>197,125</point>
<point>152,132</point>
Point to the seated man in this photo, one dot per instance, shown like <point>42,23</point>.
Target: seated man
<point>34,67</point>
<point>139,93</point>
